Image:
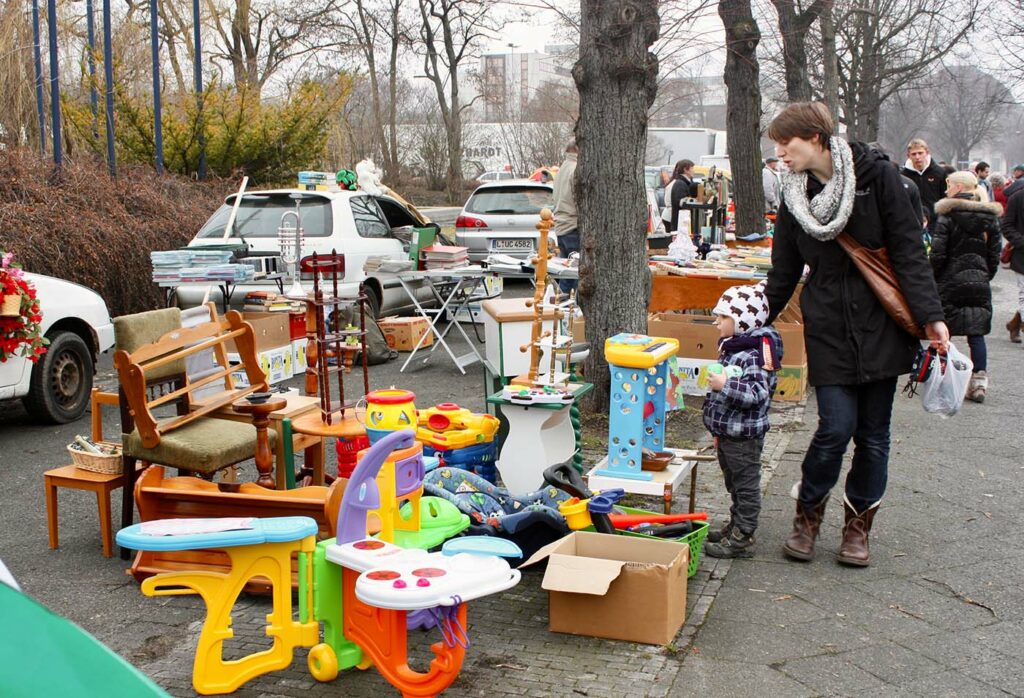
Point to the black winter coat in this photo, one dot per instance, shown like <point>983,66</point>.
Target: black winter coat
<point>965,257</point>
<point>932,185</point>
<point>850,338</point>
<point>1012,228</point>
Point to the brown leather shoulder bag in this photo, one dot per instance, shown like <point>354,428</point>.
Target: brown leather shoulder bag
<point>877,270</point>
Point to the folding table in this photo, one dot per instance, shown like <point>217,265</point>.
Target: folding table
<point>453,290</point>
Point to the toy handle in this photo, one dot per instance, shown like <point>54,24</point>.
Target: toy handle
<point>566,478</point>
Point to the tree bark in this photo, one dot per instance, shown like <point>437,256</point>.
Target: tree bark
<point>830,66</point>
<point>794,26</point>
<point>743,113</point>
<point>616,76</point>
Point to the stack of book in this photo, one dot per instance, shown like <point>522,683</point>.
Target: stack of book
<point>385,265</point>
<point>197,265</point>
<point>269,302</point>
<point>445,257</point>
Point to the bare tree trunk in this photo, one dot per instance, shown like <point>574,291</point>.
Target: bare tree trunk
<point>616,76</point>
<point>743,112</point>
<point>830,66</point>
<point>794,27</point>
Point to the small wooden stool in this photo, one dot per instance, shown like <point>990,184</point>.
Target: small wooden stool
<point>76,478</point>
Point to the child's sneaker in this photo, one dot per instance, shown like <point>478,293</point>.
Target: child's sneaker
<point>717,535</point>
<point>736,545</point>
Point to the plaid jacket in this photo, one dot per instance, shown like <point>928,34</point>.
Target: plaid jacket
<point>740,408</point>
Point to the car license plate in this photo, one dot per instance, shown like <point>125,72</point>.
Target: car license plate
<point>514,244</point>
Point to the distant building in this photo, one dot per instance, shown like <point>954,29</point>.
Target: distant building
<point>510,80</point>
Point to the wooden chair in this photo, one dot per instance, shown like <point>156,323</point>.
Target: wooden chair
<point>190,440</point>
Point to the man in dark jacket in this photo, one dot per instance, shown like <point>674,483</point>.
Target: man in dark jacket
<point>928,176</point>
<point>1012,228</point>
<point>1017,184</point>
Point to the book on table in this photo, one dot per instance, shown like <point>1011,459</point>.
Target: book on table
<point>445,256</point>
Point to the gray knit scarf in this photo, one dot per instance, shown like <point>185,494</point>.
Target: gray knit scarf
<point>824,216</point>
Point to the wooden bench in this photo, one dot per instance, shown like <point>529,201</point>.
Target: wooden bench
<point>159,497</point>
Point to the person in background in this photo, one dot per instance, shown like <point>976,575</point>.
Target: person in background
<point>855,350</point>
<point>566,227</point>
<point>668,219</point>
<point>929,177</point>
<point>981,171</point>
<point>685,188</point>
<point>1012,228</point>
<point>736,410</point>
<point>913,193</point>
<point>998,182</point>
<point>965,257</point>
<point>772,184</point>
<point>1017,184</point>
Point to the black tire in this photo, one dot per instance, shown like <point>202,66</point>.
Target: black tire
<point>372,302</point>
<point>61,380</point>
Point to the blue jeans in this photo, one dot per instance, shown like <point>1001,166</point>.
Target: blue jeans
<point>979,352</point>
<point>859,412</point>
<point>567,244</point>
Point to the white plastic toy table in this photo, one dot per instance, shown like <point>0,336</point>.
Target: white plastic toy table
<point>663,484</point>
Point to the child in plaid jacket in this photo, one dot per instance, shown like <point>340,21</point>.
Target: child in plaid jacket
<point>736,411</point>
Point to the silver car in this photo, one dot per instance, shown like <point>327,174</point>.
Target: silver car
<point>501,217</point>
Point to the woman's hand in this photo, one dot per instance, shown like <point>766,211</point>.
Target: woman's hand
<point>938,334</point>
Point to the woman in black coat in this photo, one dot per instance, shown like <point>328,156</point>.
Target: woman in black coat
<point>855,351</point>
<point>965,257</point>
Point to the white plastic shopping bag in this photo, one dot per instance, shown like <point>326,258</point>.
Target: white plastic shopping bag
<point>944,390</point>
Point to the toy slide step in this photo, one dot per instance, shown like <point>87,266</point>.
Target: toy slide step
<point>281,529</point>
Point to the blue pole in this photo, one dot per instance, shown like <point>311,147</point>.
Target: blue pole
<point>198,70</point>
<point>108,78</point>
<point>39,77</point>
<point>93,98</point>
<point>158,131</point>
<point>51,29</point>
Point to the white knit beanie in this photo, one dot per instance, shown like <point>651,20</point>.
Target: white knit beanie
<point>747,305</point>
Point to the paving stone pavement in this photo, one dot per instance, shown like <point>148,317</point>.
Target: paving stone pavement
<point>939,613</point>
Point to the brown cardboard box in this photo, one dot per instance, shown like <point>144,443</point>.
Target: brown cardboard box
<point>698,336</point>
<point>402,333</point>
<point>617,587</point>
<point>792,385</point>
<point>270,331</point>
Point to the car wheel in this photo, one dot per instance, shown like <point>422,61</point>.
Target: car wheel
<point>61,380</point>
<point>372,302</point>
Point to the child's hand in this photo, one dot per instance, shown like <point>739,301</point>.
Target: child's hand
<point>716,381</point>
<point>715,441</point>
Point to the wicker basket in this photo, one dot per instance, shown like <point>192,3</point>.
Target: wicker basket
<point>109,464</point>
<point>11,305</point>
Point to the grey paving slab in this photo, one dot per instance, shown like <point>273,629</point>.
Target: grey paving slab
<point>892,663</point>
<point>831,675</point>
<point>700,677</point>
<point>1006,675</point>
<point>952,684</point>
<point>958,649</point>
<point>750,643</point>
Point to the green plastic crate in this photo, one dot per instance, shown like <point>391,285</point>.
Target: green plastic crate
<point>695,539</point>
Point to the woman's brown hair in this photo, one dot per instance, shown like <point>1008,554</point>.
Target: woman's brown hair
<point>803,120</point>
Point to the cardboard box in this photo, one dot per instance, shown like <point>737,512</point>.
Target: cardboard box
<point>697,334</point>
<point>270,330</point>
<point>792,385</point>
<point>299,355</point>
<point>276,363</point>
<point>617,587</point>
<point>402,333</point>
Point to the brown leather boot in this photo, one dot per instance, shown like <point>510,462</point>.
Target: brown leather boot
<point>800,544</point>
<point>1014,327</point>
<point>854,548</point>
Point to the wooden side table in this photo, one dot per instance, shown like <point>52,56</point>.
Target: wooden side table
<point>260,412</point>
<point>77,479</point>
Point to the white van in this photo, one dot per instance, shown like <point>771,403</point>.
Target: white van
<point>352,223</point>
